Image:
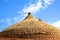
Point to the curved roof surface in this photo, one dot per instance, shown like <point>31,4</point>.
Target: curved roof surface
<point>31,26</point>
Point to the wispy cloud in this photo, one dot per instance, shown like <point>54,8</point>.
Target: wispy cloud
<point>6,20</point>
<point>56,24</point>
<point>2,20</point>
<point>10,21</point>
<point>38,5</point>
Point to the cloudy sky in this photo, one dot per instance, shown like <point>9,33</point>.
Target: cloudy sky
<point>12,11</point>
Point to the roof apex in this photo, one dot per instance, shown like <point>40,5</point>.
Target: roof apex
<point>29,16</point>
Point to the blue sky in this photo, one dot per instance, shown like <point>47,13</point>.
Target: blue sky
<point>12,11</point>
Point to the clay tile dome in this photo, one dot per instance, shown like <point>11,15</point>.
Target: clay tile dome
<point>32,28</point>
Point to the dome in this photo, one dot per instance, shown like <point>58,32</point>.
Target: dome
<point>32,28</point>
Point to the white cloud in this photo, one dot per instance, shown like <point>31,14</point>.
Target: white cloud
<point>56,24</point>
<point>2,20</point>
<point>10,21</point>
<point>48,2</point>
<point>6,20</point>
<point>34,7</point>
<point>15,19</point>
